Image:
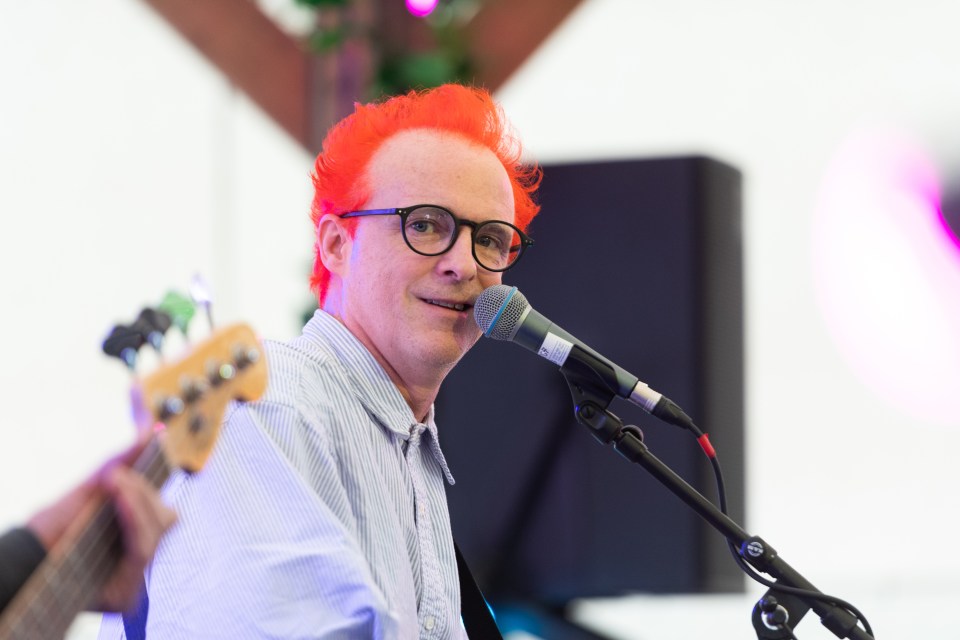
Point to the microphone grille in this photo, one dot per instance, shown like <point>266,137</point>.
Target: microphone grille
<point>501,306</point>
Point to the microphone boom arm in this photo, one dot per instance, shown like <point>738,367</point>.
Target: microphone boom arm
<point>587,377</point>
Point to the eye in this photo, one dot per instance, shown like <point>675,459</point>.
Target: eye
<point>489,242</point>
<point>429,221</point>
<point>421,226</point>
<point>495,237</point>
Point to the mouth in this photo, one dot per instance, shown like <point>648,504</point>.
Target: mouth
<point>446,304</point>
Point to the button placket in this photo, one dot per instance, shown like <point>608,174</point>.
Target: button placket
<point>428,557</point>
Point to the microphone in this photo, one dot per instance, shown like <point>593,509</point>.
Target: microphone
<point>503,313</point>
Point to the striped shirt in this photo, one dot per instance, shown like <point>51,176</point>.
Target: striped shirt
<point>321,513</point>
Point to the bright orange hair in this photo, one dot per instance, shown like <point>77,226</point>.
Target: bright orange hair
<point>339,173</point>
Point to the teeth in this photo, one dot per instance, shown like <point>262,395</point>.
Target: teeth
<point>448,305</point>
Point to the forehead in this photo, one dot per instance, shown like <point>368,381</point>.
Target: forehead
<point>425,166</point>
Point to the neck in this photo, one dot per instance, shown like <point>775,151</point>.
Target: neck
<point>420,400</point>
<point>417,389</point>
<point>418,384</point>
<point>420,395</point>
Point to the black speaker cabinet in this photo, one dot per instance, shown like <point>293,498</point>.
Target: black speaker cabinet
<point>641,260</point>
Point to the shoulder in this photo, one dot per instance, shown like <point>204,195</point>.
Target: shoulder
<point>310,400</point>
<point>304,378</point>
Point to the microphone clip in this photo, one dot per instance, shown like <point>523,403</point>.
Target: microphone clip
<point>588,380</point>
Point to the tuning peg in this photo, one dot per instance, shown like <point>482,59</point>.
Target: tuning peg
<point>123,342</point>
<point>152,325</point>
<point>244,356</point>
<point>169,407</point>
<point>192,390</point>
<point>179,308</point>
<point>218,373</point>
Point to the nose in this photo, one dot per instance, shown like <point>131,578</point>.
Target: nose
<point>458,260</point>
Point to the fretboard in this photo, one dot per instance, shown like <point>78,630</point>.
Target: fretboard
<point>72,574</point>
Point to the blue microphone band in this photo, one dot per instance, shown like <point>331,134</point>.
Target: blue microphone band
<point>500,311</point>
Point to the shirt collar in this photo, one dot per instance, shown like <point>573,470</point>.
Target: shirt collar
<point>371,384</point>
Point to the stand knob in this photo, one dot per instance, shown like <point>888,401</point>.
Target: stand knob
<point>773,614</point>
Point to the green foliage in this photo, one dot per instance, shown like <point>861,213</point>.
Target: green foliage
<point>399,71</point>
<point>402,72</point>
<point>327,40</point>
<point>322,3</point>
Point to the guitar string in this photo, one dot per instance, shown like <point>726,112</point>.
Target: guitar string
<point>98,559</point>
<point>101,538</point>
<point>104,528</point>
<point>48,587</point>
<point>49,591</point>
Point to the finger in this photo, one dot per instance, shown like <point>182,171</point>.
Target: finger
<point>143,519</point>
<point>51,523</point>
<point>141,512</point>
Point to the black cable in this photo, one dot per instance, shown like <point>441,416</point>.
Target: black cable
<point>804,593</point>
<point>752,573</point>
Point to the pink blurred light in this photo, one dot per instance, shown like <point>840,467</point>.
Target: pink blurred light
<point>421,8</point>
<point>948,230</point>
<point>887,272</point>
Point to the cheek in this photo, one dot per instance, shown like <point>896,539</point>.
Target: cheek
<point>370,263</point>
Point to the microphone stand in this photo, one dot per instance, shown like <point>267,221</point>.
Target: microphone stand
<point>586,375</point>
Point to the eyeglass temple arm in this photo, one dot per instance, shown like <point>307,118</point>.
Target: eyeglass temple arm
<point>371,212</point>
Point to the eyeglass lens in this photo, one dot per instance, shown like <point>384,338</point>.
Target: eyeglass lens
<point>431,231</point>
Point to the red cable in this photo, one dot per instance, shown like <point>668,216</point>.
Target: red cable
<point>708,449</point>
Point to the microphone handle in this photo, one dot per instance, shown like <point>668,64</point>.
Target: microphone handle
<point>538,334</point>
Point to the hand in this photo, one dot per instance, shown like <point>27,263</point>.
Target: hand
<point>143,520</point>
<point>141,515</point>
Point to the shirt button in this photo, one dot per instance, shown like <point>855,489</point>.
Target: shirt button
<point>428,623</point>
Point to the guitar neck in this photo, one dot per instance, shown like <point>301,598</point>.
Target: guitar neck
<point>188,396</point>
<point>74,571</point>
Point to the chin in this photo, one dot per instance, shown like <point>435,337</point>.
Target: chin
<point>444,356</point>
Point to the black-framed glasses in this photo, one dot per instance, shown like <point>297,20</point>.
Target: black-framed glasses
<point>431,230</point>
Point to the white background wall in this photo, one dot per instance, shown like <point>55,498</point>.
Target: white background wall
<point>127,164</point>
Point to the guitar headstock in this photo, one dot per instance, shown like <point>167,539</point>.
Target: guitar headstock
<point>182,404</point>
<point>186,400</point>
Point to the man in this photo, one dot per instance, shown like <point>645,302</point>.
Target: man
<point>142,517</point>
<point>321,513</point>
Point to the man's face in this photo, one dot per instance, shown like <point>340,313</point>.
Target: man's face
<point>394,300</point>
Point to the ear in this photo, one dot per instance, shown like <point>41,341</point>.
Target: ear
<point>334,244</point>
